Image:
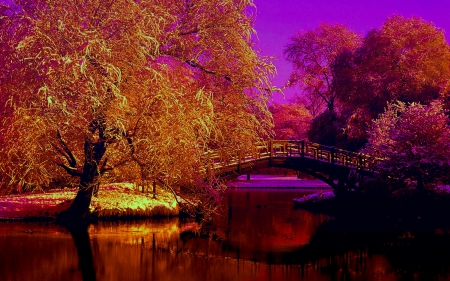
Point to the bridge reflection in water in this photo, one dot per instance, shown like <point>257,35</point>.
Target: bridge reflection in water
<point>261,238</point>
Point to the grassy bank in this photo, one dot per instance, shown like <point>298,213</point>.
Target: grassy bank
<point>113,201</point>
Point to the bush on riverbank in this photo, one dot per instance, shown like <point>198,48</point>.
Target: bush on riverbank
<point>113,201</point>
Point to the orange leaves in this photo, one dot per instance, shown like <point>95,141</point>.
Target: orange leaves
<point>158,82</point>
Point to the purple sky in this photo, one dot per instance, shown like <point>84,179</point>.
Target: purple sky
<point>278,20</point>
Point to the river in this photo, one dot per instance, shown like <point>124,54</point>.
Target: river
<point>257,235</point>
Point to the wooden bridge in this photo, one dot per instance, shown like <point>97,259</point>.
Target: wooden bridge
<point>342,170</point>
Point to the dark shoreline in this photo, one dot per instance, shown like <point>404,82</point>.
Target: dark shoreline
<point>405,213</point>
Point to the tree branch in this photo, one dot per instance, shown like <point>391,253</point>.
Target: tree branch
<point>175,195</point>
<point>67,153</point>
<point>193,31</point>
<point>73,171</point>
<point>104,168</point>
<point>197,65</point>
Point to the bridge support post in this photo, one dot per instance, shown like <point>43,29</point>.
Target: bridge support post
<point>332,154</point>
<point>248,176</point>
<point>303,149</point>
<point>270,152</point>
<point>340,188</point>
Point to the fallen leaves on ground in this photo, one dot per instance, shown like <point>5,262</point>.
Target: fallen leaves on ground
<point>118,200</point>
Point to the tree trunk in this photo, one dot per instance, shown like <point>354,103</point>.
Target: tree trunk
<point>79,210</point>
<point>420,183</point>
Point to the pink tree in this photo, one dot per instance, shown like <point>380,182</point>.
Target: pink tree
<point>414,140</point>
<point>407,59</point>
<point>312,54</point>
<point>292,121</point>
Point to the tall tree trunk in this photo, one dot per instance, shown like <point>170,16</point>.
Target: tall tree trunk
<point>420,183</point>
<point>79,210</point>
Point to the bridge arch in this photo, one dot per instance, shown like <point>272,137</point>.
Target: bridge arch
<point>342,170</point>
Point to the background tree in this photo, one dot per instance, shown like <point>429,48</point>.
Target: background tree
<point>327,129</point>
<point>414,140</point>
<point>291,121</point>
<point>125,90</point>
<point>312,54</point>
<point>407,59</point>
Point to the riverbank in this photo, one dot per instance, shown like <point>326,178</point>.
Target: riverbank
<point>122,200</point>
<point>401,211</point>
<point>113,201</point>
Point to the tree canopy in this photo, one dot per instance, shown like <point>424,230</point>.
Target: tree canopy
<point>291,121</point>
<point>414,141</point>
<point>407,59</point>
<point>122,90</point>
<point>354,78</point>
<point>312,54</point>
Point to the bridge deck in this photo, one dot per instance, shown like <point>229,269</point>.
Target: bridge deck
<point>222,161</point>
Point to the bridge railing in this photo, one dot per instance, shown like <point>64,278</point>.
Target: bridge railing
<point>221,158</point>
<point>218,159</point>
<point>288,148</point>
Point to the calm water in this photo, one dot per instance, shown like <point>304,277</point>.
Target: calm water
<point>256,236</point>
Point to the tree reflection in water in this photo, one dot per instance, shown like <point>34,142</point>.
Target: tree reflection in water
<point>82,242</point>
<point>253,245</point>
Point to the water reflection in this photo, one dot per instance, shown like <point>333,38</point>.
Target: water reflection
<point>258,236</point>
<point>84,251</point>
<point>261,225</point>
<point>46,253</point>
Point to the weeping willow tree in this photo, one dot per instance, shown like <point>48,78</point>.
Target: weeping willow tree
<point>129,90</point>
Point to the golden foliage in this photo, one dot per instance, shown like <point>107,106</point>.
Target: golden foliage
<point>170,79</point>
